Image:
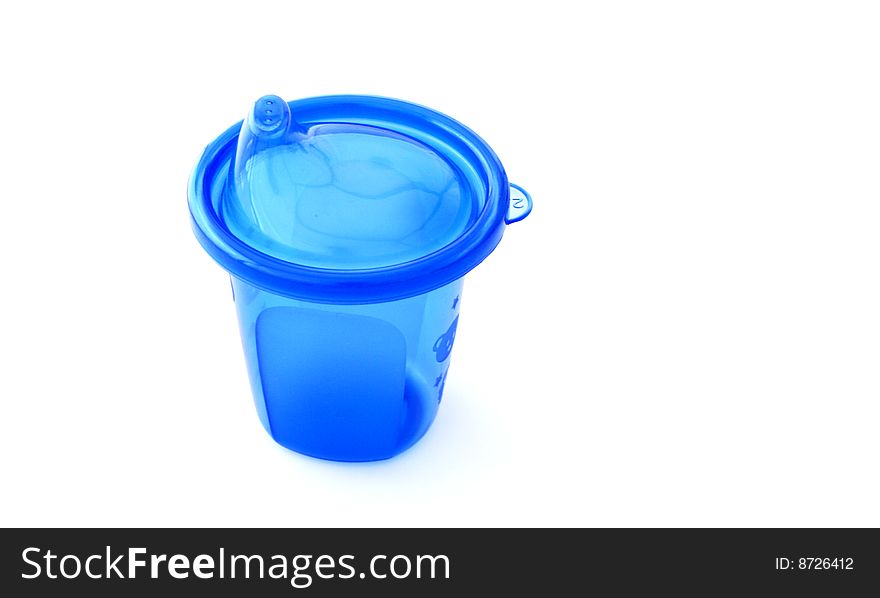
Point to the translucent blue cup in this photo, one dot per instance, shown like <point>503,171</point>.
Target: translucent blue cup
<point>346,224</point>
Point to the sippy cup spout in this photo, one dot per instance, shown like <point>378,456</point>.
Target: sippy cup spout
<point>269,124</point>
<point>269,118</point>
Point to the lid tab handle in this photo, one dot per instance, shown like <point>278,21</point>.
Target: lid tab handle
<point>520,204</point>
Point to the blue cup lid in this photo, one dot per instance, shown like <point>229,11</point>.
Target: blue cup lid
<point>348,199</point>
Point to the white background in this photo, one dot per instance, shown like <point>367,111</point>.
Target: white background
<point>686,331</point>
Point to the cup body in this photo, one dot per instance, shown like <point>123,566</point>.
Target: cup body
<point>406,201</point>
<point>347,382</point>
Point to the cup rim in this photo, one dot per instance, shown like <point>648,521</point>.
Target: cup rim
<point>368,285</point>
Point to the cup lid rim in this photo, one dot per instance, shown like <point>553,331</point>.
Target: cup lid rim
<point>369,285</point>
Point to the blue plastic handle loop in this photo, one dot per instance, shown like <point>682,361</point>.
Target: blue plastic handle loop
<point>520,204</point>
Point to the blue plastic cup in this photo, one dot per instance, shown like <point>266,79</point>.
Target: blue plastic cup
<point>347,224</point>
